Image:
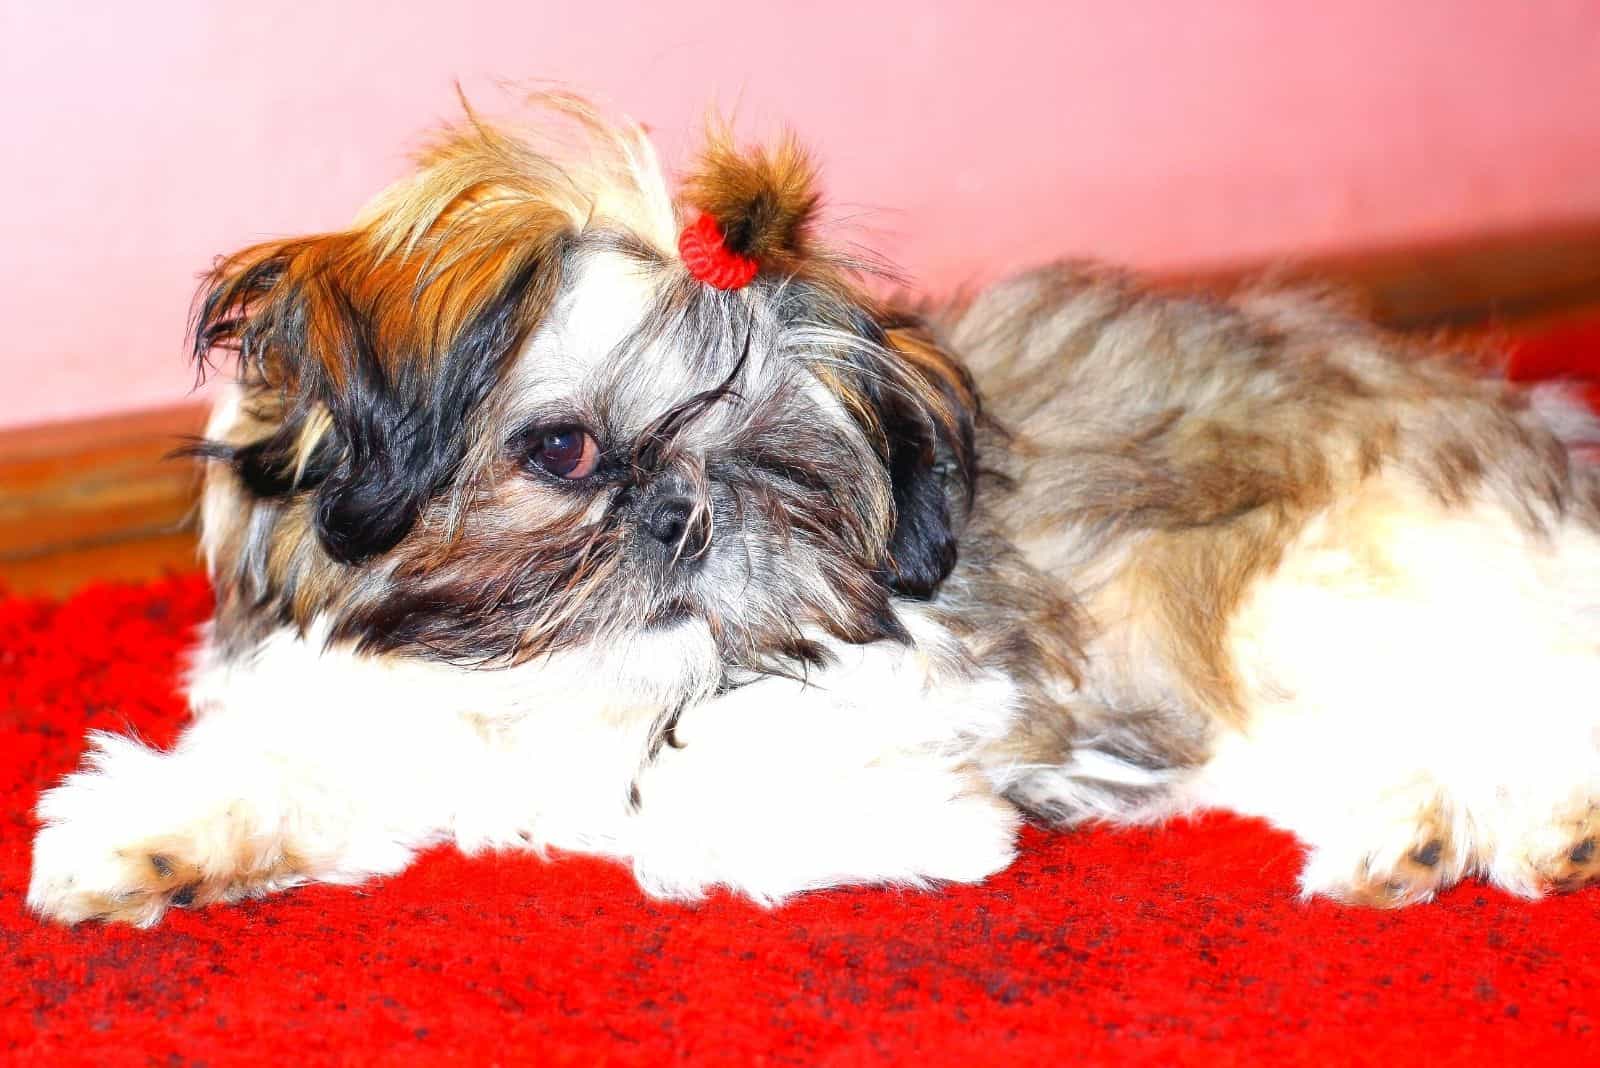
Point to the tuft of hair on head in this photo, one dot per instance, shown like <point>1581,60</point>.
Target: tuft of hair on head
<point>764,200</point>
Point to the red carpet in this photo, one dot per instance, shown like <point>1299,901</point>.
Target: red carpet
<point>1179,945</point>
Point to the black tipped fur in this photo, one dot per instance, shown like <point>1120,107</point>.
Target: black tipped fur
<point>931,472</point>
<point>394,440</point>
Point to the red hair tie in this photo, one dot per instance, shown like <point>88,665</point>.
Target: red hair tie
<point>709,260</point>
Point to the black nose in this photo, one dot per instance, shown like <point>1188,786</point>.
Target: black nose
<point>666,520</point>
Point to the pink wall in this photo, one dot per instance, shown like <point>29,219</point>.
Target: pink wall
<point>141,139</point>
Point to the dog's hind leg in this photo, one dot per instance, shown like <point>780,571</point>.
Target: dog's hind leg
<point>1422,688</point>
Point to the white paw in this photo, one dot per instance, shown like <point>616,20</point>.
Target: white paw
<point>1520,840</point>
<point>974,836</point>
<point>1389,857</point>
<point>113,846</point>
<point>81,873</point>
<point>84,863</point>
<point>963,839</point>
<point>1551,848</point>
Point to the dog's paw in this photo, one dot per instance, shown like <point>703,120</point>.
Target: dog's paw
<point>120,843</point>
<point>960,839</point>
<point>1554,855</point>
<point>96,856</point>
<point>1402,858</point>
<point>78,874</point>
<point>976,837</point>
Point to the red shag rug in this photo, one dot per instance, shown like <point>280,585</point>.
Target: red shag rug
<point>1184,944</point>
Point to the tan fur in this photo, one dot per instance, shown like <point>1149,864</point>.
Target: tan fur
<point>1435,861</point>
<point>162,874</point>
<point>764,200</point>
<point>1576,862</point>
<point>1167,449</point>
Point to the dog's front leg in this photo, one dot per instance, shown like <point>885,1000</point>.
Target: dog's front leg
<point>861,777</point>
<point>249,801</point>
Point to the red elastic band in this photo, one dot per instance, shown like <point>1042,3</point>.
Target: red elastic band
<point>709,260</point>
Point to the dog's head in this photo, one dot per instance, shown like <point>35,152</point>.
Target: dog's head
<point>504,414</point>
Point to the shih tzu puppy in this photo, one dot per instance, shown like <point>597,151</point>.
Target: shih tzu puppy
<point>552,511</point>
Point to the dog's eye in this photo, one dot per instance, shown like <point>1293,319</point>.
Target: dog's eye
<point>567,452</point>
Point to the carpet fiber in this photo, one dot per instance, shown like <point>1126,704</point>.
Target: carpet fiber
<point>1178,945</point>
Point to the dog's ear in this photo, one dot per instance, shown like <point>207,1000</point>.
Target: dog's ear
<point>914,398</point>
<point>927,409</point>
<point>364,353</point>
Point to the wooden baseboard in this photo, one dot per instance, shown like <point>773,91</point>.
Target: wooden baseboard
<point>97,498</point>
<point>1502,279</point>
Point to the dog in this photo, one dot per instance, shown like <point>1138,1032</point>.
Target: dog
<point>549,510</point>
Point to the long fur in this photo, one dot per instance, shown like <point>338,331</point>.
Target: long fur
<point>765,201</point>
<point>1074,550</point>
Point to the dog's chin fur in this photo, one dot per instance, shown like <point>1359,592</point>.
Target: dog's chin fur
<point>815,617</point>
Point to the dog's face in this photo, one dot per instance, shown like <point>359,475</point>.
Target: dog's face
<point>501,418</point>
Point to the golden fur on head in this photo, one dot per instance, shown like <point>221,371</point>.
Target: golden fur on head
<point>430,254</point>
